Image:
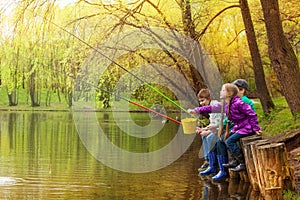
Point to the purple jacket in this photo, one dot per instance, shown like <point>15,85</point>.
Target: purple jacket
<point>241,115</point>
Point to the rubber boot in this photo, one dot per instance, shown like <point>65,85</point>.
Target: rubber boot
<point>204,166</point>
<point>241,166</point>
<point>213,165</point>
<point>223,173</point>
<point>232,163</point>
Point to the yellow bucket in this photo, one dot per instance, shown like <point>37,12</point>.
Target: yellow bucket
<point>189,125</point>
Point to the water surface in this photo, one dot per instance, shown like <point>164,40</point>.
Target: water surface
<point>42,157</point>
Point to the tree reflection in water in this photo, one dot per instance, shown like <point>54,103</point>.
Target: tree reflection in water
<point>228,189</point>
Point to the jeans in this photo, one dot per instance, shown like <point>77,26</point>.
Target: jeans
<point>231,142</point>
<point>209,143</point>
<point>221,148</point>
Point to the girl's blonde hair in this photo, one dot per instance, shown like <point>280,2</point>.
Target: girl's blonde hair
<point>231,90</point>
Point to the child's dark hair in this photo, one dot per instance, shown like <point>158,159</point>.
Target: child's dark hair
<point>204,93</point>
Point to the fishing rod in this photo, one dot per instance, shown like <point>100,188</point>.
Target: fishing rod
<point>131,102</point>
<point>116,63</point>
<point>112,93</point>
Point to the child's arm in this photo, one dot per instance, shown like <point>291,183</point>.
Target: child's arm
<point>206,109</point>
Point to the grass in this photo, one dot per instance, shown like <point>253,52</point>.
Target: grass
<point>289,195</point>
<point>280,119</point>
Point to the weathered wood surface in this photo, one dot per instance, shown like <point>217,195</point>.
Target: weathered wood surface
<point>254,195</point>
<point>234,175</point>
<point>248,139</point>
<point>290,138</point>
<point>253,168</point>
<point>245,144</point>
<point>273,169</point>
<point>294,161</point>
<point>292,141</point>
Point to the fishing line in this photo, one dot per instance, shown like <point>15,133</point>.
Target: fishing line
<point>132,102</point>
<point>102,54</point>
<point>125,99</point>
<point>112,93</point>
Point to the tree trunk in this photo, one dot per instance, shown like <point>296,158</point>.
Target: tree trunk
<point>12,98</point>
<point>283,58</point>
<point>261,86</point>
<point>32,90</point>
<point>189,30</point>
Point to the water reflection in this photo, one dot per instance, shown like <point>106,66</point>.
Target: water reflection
<point>233,189</point>
<point>42,157</point>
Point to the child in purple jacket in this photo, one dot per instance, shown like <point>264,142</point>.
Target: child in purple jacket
<point>241,115</point>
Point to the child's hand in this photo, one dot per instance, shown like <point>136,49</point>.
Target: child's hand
<point>258,132</point>
<point>205,132</point>
<point>198,130</point>
<point>192,111</point>
<point>212,127</point>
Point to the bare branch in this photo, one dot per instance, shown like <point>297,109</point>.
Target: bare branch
<point>214,17</point>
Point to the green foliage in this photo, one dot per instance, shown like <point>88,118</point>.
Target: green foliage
<point>280,119</point>
<point>40,55</point>
<point>24,101</point>
<point>290,195</point>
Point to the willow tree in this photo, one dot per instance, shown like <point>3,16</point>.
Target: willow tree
<point>146,14</point>
<point>11,77</point>
<point>50,54</point>
<point>31,31</point>
<point>282,55</point>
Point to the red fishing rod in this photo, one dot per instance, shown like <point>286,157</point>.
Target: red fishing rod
<point>153,111</point>
<point>138,78</point>
<point>129,101</point>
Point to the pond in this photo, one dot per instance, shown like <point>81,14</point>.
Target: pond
<point>44,157</point>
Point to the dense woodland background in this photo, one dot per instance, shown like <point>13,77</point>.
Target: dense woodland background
<point>45,45</point>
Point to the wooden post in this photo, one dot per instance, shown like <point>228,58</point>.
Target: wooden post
<point>233,175</point>
<point>253,167</point>
<point>243,176</point>
<point>294,161</point>
<point>233,185</point>
<point>272,167</point>
<point>245,144</point>
<point>254,195</point>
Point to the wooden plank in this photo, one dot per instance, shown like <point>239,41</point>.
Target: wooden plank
<point>248,139</point>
